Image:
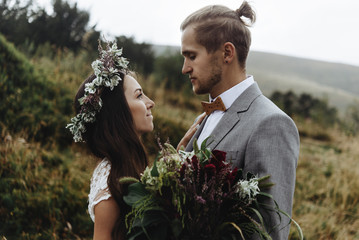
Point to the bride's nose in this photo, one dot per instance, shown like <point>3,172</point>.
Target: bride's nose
<point>150,104</point>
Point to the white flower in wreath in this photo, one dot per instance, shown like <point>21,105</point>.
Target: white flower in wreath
<point>90,88</point>
<point>97,66</point>
<point>97,81</point>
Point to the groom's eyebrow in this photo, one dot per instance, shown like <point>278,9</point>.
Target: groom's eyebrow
<point>186,53</point>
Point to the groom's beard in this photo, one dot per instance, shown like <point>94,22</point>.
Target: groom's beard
<point>205,86</point>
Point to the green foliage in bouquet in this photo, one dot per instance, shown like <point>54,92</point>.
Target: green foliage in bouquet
<point>195,195</point>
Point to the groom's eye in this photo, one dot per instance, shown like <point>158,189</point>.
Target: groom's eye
<point>192,57</point>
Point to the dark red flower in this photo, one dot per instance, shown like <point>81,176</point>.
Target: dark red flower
<point>182,170</point>
<point>210,169</point>
<point>218,159</point>
<point>219,155</point>
<point>232,175</point>
<point>195,163</point>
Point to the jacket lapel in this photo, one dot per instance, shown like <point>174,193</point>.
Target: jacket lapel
<point>233,115</point>
<point>189,146</point>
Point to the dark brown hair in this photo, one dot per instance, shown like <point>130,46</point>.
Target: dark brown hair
<point>215,25</point>
<point>113,136</point>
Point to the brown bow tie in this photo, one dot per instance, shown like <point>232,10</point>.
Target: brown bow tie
<point>216,105</point>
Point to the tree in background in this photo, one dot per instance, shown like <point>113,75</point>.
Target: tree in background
<point>168,72</point>
<point>23,21</point>
<point>30,28</point>
<point>285,101</point>
<point>64,28</point>
<point>141,55</point>
<point>14,19</point>
<point>305,106</point>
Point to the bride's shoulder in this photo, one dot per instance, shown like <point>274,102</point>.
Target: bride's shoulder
<point>100,174</point>
<point>98,188</point>
<point>103,168</point>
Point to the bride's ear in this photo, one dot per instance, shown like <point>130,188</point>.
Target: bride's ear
<point>229,51</point>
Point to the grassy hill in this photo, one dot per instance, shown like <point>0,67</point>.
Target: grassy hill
<point>338,83</point>
<point>29,102</point>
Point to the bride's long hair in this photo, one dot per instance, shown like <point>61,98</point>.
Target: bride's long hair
<point>113,136</point>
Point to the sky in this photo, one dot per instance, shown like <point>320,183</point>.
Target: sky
<point>325,30</point>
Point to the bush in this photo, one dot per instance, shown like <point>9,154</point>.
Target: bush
<point>168,72</point>
<point>350,124</point>
<point>43,195</point>
<point>29,103</point>
<point>306,107</point>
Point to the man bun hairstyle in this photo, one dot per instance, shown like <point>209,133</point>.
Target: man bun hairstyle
<point>246,11</point>
<point>215,25</point>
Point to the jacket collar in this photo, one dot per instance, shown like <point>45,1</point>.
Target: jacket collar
<point>230,119</point>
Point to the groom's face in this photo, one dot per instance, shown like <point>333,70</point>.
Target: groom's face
<point>204,69</point>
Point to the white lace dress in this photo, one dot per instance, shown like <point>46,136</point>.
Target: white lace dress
<point>98,189</point>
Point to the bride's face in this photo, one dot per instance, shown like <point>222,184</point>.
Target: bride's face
<point>140,105</point>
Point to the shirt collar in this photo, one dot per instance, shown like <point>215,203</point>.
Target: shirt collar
<point>229,96</point>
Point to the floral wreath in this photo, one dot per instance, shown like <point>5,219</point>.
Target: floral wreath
<point>107,71</point>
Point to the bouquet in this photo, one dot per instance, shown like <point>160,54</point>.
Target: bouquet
<point>194,195</point>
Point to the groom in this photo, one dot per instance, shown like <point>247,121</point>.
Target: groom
<point>257,136</point>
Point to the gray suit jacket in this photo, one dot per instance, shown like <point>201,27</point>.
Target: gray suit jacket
<point>260,138</point>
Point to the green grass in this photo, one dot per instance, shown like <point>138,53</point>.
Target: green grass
<point>43,191</point>
<point>327,188</point>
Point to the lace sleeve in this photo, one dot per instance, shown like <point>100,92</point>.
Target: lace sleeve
<point>98,189</point>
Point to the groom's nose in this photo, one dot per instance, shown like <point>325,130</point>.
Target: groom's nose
<point>186,68</point>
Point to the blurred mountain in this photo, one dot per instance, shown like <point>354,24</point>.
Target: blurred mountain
<point>338,83</point>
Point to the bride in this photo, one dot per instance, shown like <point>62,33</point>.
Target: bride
<point>112,114</point>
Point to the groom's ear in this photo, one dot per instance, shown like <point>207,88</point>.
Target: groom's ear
<point>229,52</point>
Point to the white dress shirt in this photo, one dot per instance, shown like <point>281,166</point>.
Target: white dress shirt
<point>228,97</point>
